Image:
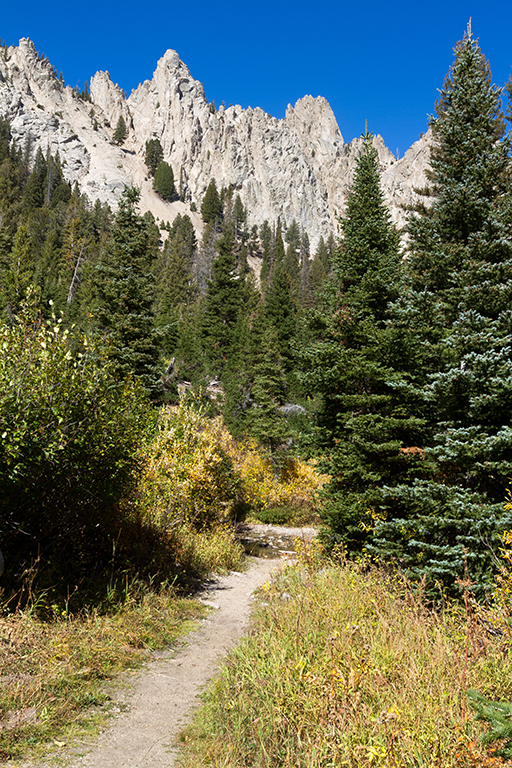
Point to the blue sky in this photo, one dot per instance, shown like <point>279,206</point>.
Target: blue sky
<point>376,61</point>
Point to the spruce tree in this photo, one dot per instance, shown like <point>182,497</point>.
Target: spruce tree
<point>121,131</point>
<point>5,139</point>
<point>175,282</point>
<point>265,236</point>
<point>238,374</point>
<point>33,194</point>
<point>153,156</point>
<point>292,266</point>
<point>457,312</point>
<point>265,421</point>
<point>316,274</point>
<point>19,273</point>
<point>239,214</point>
<point>221,304</point>
<point>211,207</point>
<point>280,308</point>
<point>125,288</point>
<point>163,183</point>
<point>360,421</point>
<point>205,256</point>
<point>175,285</point>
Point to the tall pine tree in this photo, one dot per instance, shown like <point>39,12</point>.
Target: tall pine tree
<point>360,420</point>
<point>125,288</point>
<point>221,304</point>
<point>280,308</point>
<point>458,314</point>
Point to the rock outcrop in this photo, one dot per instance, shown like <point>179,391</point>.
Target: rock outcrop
<point>296,168</point>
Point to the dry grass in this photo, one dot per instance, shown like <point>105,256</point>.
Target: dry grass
<point>53,673</point>
<point>347,667</point>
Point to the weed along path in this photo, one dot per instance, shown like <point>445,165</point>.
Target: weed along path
<point>161,698</point>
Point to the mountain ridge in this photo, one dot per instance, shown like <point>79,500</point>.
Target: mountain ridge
<point>298,167</point>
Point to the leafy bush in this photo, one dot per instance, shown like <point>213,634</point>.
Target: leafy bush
<point>498,615</point>
<point>276,515</point>
<point>187,494</point>
<point>189,478</point>
<point>70,448</point>
<point>293,486</point>
<point>503,591</point>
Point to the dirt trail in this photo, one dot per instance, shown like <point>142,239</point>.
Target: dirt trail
<point>158,701</point>
<point>165,693</point>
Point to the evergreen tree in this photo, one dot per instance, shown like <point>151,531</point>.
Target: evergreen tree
<point>174,266</point>
<point>291,266</point>
<point>121,131</point>
<point>238,374</point>
<point>163,183</point>
<point>360,422</point>
<point>153,156</point>
<point>5,139</point>
<point>211,207</point>
<point>50,271</point>
<point>33,194</point>
<point>189,352</point>
<point>76,244</point>
<point>304,267</point>
<point>19,273</point>
<point>205,256</point>
<point>239,213</point>
<point>293,236</point>
<point>53,179</point>
<point>457,312</point>
<point>125,290</point>
<point>266,244</point>
<point>221,304</point>
<point>175,285</point>
<point>317,274</point>
<point>252,241</point>
<point>265,421</point>
<point>280,308</point>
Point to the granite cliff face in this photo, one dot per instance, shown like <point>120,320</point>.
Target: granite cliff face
<point>296,168</point>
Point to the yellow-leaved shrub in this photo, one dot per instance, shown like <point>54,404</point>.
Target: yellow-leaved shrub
<point>189,477</point>
<point>294,484</point>
<point>196,473</point>
<point>187,492</point>
<point>197,480</point>
<point>503,590</point>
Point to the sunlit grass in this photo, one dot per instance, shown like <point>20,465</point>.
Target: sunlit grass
<point>347,667</point>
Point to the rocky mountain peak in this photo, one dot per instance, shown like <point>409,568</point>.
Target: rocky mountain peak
<point>296,168</point>
<point>109,98</point>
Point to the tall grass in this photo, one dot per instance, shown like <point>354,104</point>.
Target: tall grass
<point>347,667</point>
<point>53,672</point>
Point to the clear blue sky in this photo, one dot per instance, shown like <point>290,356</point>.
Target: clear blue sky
<point>381,61</point>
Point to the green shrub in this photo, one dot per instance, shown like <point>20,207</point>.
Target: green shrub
<point>276,515</point>
<point>70,449</point>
